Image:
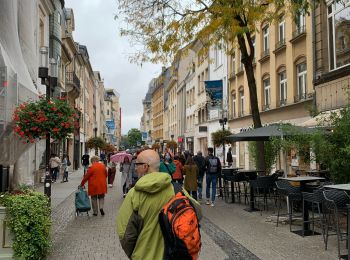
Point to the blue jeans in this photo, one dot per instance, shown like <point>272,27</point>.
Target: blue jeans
<point>211,181</point>
<point>200,186</point>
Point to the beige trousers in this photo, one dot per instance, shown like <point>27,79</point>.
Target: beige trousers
<point>101,201</point>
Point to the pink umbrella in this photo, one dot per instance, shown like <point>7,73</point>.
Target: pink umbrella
<point>119,157</point>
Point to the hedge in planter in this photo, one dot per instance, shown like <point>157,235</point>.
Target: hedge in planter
<point>29,219</point>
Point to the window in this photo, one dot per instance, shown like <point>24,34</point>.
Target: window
<point>241,105</point>
<point>281,31</point>
<point>282,78</point>
<point>217,53</point>
<point>107,112</point>
<point>301,80</point>
<point>300,22</point>
<point>267,93</point>
<point>234,103</point>
<point>233,64</point>
<point>241,66</point>
<point>266,39</point>
<point>59,18</point>
<point>338,34</point>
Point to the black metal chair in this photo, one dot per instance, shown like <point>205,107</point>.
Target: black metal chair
<point>293,195</point>
<point>315,200</point>
<point>335,202</point>
<point>227,178</point>
<point>264,189</point>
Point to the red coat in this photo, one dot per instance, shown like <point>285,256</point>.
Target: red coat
<point>96,176</point>
<point>177,175</point>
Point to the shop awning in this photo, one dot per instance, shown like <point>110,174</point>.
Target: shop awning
<point>266,132</point>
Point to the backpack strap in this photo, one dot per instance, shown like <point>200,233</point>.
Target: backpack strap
<point>177,187</point>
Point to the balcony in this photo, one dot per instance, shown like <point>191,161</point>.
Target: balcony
<point>280,45</point>
<point>232,75</point>
<point>298,34</point>
<point>303,97</point>
<point>72,84</point>
<point>265,55</point>
<point>240,70</point>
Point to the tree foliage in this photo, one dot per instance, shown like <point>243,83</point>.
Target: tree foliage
<point>159,29</point>
<point>134,136</point>
<point>171,145</point>
<point>219,137</point>
<point>95,143</point>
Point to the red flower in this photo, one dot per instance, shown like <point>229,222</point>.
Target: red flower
<point>55,129</point>
<point>21,133</point>
<point>54,108</point>
<point>63,124</point>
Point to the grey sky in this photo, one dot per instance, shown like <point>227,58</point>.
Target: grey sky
<point>96,28</point>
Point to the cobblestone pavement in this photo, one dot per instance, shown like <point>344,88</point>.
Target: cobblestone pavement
<point>89,237</point>
<point>228,232</point>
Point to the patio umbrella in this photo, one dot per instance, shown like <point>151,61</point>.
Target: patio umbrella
<point>119,157</point>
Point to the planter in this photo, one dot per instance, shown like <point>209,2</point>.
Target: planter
<point>6,251</point>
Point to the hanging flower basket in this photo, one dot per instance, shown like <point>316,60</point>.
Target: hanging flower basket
<point>33,120</point>
<point>171,145</point>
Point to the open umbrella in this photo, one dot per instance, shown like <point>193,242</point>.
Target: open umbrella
<point>119,157</point>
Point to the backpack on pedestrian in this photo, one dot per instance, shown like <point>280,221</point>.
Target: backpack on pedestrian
<point>213,165</point>
<point>180,227</point>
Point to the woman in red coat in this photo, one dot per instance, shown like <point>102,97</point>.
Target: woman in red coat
<point>96,176</point>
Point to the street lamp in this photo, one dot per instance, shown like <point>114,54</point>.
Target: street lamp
<point>172,137</point>
<point>223,122</point>
<point>49,80</point>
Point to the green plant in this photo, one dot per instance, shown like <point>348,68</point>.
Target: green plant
<point>28,215</point>
<point>171,145</point>
<point>219,137</point>
<point>95,142</point>
<point>271,148</point>
<point>33,120</point>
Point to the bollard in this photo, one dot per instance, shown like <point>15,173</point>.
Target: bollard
<point>47,185</point>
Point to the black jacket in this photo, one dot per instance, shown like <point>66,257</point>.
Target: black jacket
<point>200,161</point>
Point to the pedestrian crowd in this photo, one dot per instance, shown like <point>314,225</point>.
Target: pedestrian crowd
<point>153,185</point>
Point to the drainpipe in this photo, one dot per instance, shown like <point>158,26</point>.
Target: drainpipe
<point>313,31</point>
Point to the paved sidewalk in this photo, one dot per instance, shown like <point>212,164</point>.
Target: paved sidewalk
<point>228,232</point>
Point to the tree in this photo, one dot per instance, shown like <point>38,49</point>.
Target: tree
<point>159,29</point>
<point>134,136</point>
<point>219,137</point>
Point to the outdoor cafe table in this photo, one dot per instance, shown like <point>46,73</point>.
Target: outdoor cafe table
<point>303,180</point>
<point>345,187</point>
<point>251,175</point>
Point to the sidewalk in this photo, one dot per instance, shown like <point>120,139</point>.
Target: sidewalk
<point>228,232</point>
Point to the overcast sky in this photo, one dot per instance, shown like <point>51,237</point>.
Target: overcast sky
<point>96,28</point>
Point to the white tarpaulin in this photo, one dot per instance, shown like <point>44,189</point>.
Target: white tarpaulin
<point>18,68</point>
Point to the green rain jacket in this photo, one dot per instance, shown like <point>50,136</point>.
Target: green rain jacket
<point>137,220</point>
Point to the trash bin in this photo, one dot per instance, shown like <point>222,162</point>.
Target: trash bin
<point>4,178</point>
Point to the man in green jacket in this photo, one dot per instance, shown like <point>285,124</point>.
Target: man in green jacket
<point>137,221</point>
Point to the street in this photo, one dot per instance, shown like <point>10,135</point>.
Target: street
<point>228,232</point>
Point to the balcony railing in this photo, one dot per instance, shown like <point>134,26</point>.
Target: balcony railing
<point>72,79</point>
<point>299,30</point>
<point>280,44</point>
<point>266,107</point>
<point>302,96</point>
<point>265,53</point>
<point>282,102</point>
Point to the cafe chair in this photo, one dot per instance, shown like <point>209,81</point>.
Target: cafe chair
<point>314,199</point>
<point>264,190</point>
<point>334,202</point>
<point>227,176</point>
<point>293,195</point>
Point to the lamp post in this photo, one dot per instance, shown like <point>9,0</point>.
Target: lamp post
<point>49,80</point>
<point>223,122</point>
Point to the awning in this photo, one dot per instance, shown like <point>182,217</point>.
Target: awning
<point>266,132</point>
<point>321,118</point>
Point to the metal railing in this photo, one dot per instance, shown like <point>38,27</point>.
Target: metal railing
<point>280,43</point>
<point>299,30</point>
<point>71,78</point>
<point>265,53</point>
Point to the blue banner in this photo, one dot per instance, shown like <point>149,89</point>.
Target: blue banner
<point>110,124</point>
<point>144,136</point>
<point>214,89</point>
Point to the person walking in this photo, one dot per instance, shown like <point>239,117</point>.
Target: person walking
<point>191,173</point>
<point>64,167</point>
<point>166,164</point>
<point>85,161</point>
<point>213,168</point>
<point>137,221</point>
<point>97,185</point>
<point>200,161</point>
<point>126,171</point>
<point>229,158</point>
<point>177,175</point>
<point>112,169</point>
<point>55,163</point>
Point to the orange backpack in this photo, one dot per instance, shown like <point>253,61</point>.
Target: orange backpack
<point>180,227</point>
